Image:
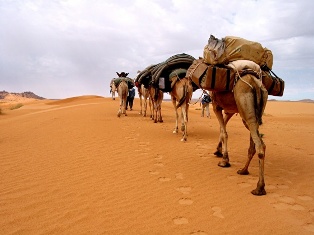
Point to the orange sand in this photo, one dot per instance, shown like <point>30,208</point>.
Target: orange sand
<point>73,167</point>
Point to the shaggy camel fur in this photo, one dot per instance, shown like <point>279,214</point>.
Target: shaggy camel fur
<point>181,95</point>
<point>249,99</point>
<point>122,90</point>
<point>144,96</point>
<point>156,96</point>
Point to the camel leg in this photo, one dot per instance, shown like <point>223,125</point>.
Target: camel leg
<point>141,107</point>
<point>155,112</point>
<point>251,152</point>
<point>223,138</point>
<point>226,119</point>
<point>150,107</point>
<point>260,149</point>
<point>145,107</point>
<point>124,108</point>
<point>176,113</point>
<point>160,98</point>
<point>182,118</point>
<point>184,122</point>
<point>120,109</point>
<point>250,121</point>
<point>159,114</point>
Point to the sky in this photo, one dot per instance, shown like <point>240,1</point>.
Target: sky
<point>64,48</point>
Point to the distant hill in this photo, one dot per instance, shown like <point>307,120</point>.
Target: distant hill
<point>27,94</point>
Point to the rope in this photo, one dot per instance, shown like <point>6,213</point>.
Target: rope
<point>200,96</point>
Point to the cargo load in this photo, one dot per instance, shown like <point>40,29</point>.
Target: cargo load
<point>231,48</point>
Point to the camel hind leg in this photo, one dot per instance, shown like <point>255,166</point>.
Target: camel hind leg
<point>174,102</point>
<point>184,121</point>
<point>256,143</point>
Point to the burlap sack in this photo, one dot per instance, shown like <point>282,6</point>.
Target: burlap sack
<point>274,85</point>
<point>211,77</point>
<point>235,48</point>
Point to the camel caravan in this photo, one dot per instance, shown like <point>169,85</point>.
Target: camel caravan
<point>235,72</point>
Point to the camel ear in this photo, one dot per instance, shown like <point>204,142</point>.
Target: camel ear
<point>126,74</point>
<point>118,74</point>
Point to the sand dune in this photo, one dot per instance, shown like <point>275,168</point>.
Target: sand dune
<point>73,167</point>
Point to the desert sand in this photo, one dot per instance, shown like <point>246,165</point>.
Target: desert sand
<point>73,167</point>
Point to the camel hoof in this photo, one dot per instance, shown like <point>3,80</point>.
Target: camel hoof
<point>183,139</point>
<point>175,131</point>
<point>218,153</point>
<point>125,114</point>
<point>224,164</point>
<point>119,115</point>
<point>258,192</point>
<point>243,172</point>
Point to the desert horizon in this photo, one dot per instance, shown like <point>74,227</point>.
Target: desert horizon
<point>71,166</point>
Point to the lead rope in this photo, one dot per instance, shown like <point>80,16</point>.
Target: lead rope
<point>241,77</point>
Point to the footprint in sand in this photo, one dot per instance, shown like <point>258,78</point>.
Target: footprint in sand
<point>217,212</point>
<point>232,177</point>
<point>154,172</point>
<point>285,203</point>
<point>158,157</point>
<point>184,189</point>
<point>186,201</point>
<point>279,186</point>
<point>286,206</point>
<point>286,199</point>
<point>244,185</point>
<point>179,176</point>
<point>305,198</point>
<point>164,179</point>
<point>180,220</point>
<point>199,232</point>
<point>309,227</point>
<point>159,164</point>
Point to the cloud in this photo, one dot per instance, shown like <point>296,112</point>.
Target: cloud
<point>65,48</point>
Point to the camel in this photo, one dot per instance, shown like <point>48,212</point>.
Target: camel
<point>113,93</point>
<point>113,96</point>
<point>143,94</point>
<point>181,94</point>
<point>249,99</point>
<point>156,96</point>
<point>122,89</point>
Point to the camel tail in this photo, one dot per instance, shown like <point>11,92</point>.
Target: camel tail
<point>183,98</point>
<point>260,103</point>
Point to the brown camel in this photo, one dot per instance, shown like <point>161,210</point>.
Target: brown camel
<point>156,96</point>
<point>113,93</point>
<point>122,90</point>
<point>181,94</point>
<point>144,96</point>
<point>249,99</point>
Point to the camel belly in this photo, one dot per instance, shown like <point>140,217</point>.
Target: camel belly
<point>225,100</point>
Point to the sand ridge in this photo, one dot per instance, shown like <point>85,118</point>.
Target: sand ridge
<point>73,167</point>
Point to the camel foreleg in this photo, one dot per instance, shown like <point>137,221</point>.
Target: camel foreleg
<point>184,122</point>
<point>176,113</point>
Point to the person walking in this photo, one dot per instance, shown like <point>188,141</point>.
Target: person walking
<point>130,98</point>
<point>205,105</point>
